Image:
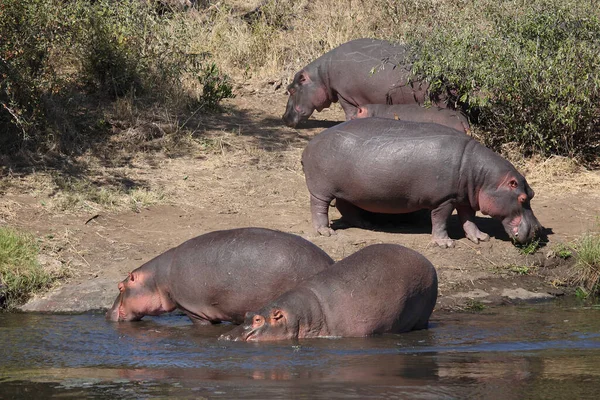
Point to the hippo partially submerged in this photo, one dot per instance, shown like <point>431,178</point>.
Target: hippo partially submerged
<point>362,71</point>
<point>214,277</point>
<point>416,113</point>
<point>382,288</point>
<point>394,167</point>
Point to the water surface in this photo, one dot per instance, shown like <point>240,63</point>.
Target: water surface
<point>534,352</point>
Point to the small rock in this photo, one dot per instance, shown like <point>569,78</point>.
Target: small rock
<point>522,294</point>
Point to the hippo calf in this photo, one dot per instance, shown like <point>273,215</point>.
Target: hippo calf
<point>394,167</point>
<point>215,277</point>
<point>362,71</point>
<point>382,288</point>
<point>416,113</point>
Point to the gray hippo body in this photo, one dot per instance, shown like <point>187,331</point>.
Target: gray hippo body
<point>213,277</point>
<point>362,71</point>
<point>394,167</point>
<point>416,113</point>
<point>382,288</point>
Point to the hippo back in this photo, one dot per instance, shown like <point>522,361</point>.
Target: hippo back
<point>383,288</point>
<point>226,273</point>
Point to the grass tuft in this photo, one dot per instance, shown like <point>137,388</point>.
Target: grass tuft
<point>586,270</point>
<point>20,273</point>
<point>528,248</point>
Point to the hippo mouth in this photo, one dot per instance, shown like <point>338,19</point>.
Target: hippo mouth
<point>240,333</point>
<point>522,228</point>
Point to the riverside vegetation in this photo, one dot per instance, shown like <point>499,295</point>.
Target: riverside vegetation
<point>76,78</point>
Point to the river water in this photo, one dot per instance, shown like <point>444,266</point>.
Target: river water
<point>527,352</point>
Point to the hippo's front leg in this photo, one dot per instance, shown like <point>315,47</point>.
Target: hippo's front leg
<point>439,221</point>
<point>467,215</point>
<point>349,109</point>
<point>319,210</point>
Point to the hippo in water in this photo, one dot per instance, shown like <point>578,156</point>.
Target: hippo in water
<point>382,288</point>
<point>394,167</point>
<point>362,71</point>
<point>416,113</point>
<point>214,277</point>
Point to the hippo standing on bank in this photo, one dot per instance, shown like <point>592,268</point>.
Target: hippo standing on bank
<point>394,167</point>
<point>362,71</point>
<point>416,113</point>
<point>382,288</point>
<point>219,276</point>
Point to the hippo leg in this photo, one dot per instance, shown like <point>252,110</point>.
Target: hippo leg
<point>351,214</point>
<point>466,215</point>
<point>439,221</point>
<point>319,210</point>
<point>349,109</point>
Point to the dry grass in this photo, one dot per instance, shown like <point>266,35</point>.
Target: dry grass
<point>285,35</point>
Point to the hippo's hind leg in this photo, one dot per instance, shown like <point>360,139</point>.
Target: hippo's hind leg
<point>319,210</point>
<point>466,215</point>
<point>352,215</point>
<point>439,222</point>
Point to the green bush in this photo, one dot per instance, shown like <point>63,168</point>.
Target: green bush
<point>527,71</point>
<point>52,52</point>
<point>20,273</point>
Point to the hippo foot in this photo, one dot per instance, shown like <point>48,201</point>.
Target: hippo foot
<point>478,237</point>
<point>444,243</point>
<point>325,231</point>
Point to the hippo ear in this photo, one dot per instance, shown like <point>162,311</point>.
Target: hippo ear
<point>131,277</point>
<point>276,314</point>
<point>303,78</point>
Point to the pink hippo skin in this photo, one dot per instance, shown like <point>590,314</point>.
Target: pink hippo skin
<point>394,167</point>
<point>416,113</point>
<point>213,277</point>
<point>362,71</point>
<point>382,288</point>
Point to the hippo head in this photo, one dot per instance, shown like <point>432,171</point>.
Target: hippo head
<point>508,198</point>
<point>307,94</point>
<point>138,296</point>
<point>273,324</point>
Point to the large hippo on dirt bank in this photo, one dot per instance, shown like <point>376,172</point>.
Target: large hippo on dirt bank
<point>393,167</point>
<point>416,113</point>
<point>219,276</point>
<point>362,71</point>
<point>383,288</point>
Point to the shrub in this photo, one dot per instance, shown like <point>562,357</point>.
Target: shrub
<point>527,71</point>
<point>20,274</point>
<point>586,271</point>
<point>53,52</point>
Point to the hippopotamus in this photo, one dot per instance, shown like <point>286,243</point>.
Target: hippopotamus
<point>382,288</point>
<point>416,113</point>
<point>386,166</point>
<point>214,277</point>
<point>362,71</point>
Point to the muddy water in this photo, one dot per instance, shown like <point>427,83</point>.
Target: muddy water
<point>534,352</point>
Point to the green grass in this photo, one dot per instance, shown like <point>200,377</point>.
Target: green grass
<point>528,248</point>
<point>563,251</point>
<point>20,273</point>
<point>520,269</point>
<point>586,270</point>
<point>474,305</point>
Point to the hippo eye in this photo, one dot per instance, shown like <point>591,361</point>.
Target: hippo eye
<point>291,91</point>
<point>302,79</point>
<point>513,184</point>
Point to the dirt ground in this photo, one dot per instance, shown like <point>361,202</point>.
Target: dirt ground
<point>247,172</point>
